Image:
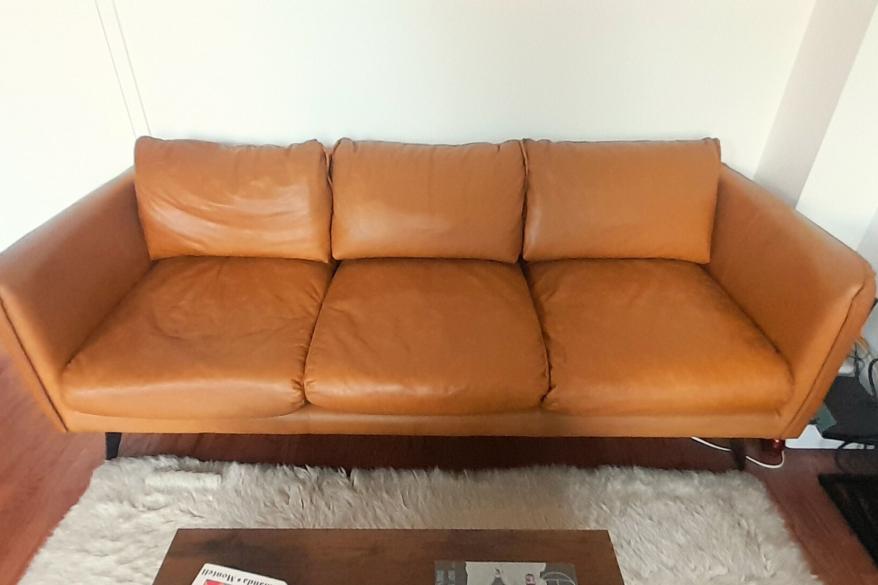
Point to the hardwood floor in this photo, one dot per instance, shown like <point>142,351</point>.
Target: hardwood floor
<point>43,473</point>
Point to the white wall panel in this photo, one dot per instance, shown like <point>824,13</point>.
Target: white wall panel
<point>458,70</point>
<point>841,193</point>
<point>63,124</point>
<point>829,48</point>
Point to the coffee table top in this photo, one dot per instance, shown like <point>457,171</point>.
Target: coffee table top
<point>391,557</point>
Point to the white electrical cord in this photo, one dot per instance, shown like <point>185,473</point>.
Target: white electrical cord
<point>750,459</point>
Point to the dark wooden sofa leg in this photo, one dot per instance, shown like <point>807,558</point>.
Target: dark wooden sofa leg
<point>739,453</point>
<point>773,446</point>
<point>112,441</point>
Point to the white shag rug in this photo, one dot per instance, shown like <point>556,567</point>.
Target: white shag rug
<point>668,527</point>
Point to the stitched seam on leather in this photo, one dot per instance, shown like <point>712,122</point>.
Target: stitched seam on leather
<point>112,310</point>
<point>719,182</point>
<point>524,197</point>
<point>330,162</point>
<point>787,427</point>
<point>327,157</point>
<point>715,278</point>
<point>777,410</point>
<point>525,270</point>
<point>8,318</point>
<point>151,263</point>
<point>313,330</point>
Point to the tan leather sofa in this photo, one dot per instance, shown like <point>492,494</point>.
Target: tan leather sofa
<point>523,288</point>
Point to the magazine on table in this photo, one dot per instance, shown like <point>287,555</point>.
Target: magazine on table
<point>211,574</point>
<point>504,573</point>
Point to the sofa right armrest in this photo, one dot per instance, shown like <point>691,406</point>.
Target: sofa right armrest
<point>808,293</point>
<point>59,282</point>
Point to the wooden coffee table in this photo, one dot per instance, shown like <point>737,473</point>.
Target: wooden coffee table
<point>389,557</point>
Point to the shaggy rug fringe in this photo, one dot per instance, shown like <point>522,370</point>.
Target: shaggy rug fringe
<point>668,527</point>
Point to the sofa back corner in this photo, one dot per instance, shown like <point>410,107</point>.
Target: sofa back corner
<point>646,199</point>
<point>202,198</point>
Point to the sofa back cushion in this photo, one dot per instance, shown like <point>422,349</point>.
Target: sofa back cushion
<point>419,201</point>
<point>205,199</point>
<point>621,199</point>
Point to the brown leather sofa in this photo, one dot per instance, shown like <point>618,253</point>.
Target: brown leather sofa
<point>523,288</point>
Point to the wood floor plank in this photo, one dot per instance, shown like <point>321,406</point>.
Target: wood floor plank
<point>43,472</point>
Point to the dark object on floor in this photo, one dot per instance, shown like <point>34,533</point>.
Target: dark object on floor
<point>854,410</point>
<point>856,497</point>
<point>112,442</point>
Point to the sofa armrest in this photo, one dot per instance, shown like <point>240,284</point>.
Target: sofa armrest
<point>60,281</point>
<point>809,293</point>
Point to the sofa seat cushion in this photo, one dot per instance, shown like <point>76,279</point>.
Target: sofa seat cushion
<point>203,338</point>
<point>651,337</point>
<point>420,336</point>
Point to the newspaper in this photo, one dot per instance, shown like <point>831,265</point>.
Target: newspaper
<point>218,575</point>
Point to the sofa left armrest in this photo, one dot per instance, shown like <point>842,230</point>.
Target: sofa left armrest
<point>60,281</point>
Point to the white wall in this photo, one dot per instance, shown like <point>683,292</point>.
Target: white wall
<point>841,193</point>
<point>458,70</point>
<point>63,125</point>
<point>419,70</point>
<point>831,43</point>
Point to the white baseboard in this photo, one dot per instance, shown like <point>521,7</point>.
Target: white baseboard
<point>811,439</point>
